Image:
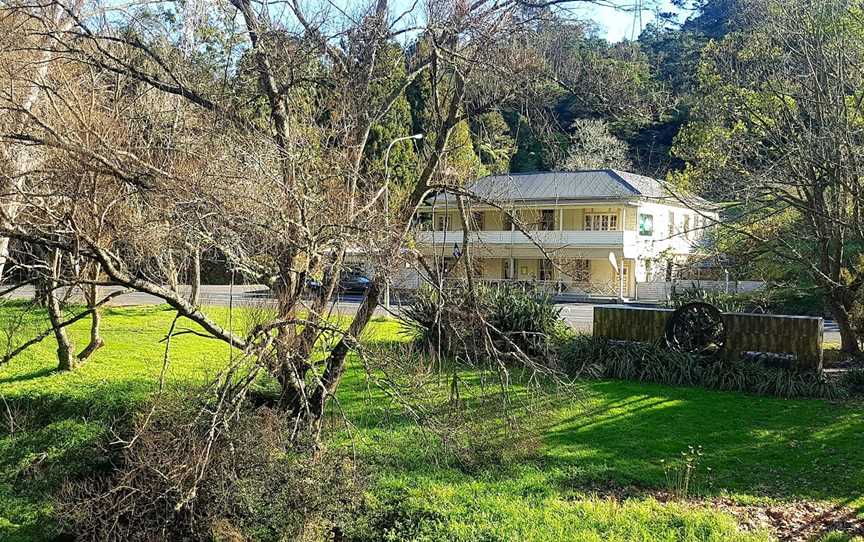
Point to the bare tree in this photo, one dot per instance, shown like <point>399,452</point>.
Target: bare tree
<point>592,146</point>
<point>257,152</point>
<point>25,57</point>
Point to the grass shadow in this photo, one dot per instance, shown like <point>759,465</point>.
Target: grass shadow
<point>45,371</point>
<point>758,446</point>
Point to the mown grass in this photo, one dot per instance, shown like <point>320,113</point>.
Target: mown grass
<point>609,435</point>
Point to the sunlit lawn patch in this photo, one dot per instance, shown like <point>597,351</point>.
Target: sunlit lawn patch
<point>610,433</point>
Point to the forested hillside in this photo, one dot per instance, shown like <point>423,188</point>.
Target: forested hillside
<point>610,105</point>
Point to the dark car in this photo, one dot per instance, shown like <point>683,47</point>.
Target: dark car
<point>354,283</point>
<point>349,282</point>
<point>313,285</point>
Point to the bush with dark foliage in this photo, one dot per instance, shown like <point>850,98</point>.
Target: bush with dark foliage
<point>594,357</point>
<point>853,381</point>
<point>445,323</point>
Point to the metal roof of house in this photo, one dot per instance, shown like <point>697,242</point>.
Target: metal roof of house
<point>599,184</point>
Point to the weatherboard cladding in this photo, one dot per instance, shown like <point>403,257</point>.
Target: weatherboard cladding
<point>563,185</point>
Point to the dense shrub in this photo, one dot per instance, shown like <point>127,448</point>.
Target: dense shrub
<point>517,311</point>
<point>853,381</point>
<point>448,325</point>
<point>250,482</point>
<point>587,356</point>
<point>783,299</point>
<point>773,299</point>
<point>726,302</point>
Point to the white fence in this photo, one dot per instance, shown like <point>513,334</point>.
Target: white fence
<point>578,238</point>
<point>645,291</point>
<point>661,291</point>
<point>587,290</point>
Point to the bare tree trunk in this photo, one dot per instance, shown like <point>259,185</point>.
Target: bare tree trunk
<point>96,342</point>
<point>195,279</point>
<point>4,256</point>
<point>848,336</point>
<point>65,349</point>
<point>40,293</point>
<point>65,357</point>
<point>173,275</point>
<point>335,366</point>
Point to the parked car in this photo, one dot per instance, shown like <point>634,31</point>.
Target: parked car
<point>349,282</point>
<point>354,283</point>
<point>313,285</point>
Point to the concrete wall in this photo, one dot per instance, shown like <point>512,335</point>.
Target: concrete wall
<point>493,220</point>
<point>800,336</point>
<point>667,235</point>
<point>493,268</point>
<point>527,269</point>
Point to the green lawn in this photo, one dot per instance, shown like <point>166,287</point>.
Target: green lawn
<point>606,436</point>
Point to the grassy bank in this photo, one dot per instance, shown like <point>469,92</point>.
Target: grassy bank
<point>580,455</point>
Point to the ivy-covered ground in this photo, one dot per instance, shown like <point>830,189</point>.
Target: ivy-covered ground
<point>592,466</point>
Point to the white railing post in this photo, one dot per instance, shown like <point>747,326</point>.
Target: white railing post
<point>621,280</point>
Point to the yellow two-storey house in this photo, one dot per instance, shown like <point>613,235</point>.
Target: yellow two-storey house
<point>590,233</point>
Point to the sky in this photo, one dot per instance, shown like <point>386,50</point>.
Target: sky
<point>618,24</point>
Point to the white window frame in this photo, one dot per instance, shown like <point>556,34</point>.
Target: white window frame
<point>601,222</point>
<point>639,222</point>
<point>478,220</point>
<point>544,225</point>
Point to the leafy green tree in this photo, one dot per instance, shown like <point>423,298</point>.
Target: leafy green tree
<point>401,160</point>
<point>674,52</point>
<point>493,142</point>
<point>778,131</point>
<point>460,162</point>
<point>538,147</point>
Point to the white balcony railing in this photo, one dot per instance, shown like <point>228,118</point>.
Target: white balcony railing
<point>544,238</point>
<point>592,288</point>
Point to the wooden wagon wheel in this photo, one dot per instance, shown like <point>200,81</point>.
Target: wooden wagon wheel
<point>696,328</point>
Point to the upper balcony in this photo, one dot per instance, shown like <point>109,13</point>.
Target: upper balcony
<point>554,238</point>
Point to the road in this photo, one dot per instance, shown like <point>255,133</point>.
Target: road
<point>578,315</point>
